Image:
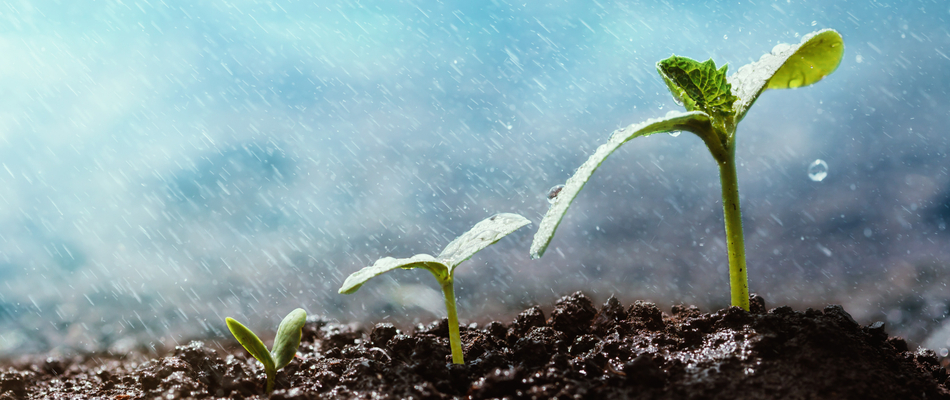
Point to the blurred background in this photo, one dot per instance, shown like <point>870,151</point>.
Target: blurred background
<point>167,164</point>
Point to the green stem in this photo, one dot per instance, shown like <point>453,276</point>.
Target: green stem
<point>454,338</point>
<point>738,276</point>
<point>271,377</point>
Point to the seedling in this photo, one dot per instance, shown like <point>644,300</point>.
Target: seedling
<point>442,267</point>
<point>715,104</point>
<point>285,344</point>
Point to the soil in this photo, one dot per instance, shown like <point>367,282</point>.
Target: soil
<point>577,352</point>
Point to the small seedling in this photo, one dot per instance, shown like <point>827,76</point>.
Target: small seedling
<point>442,267</point>
<point>715,104</point>
<point>285,344</point>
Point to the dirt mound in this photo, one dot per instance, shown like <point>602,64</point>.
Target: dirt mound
<point>579,352</point>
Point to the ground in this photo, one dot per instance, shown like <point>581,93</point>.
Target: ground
<point>576,352</point>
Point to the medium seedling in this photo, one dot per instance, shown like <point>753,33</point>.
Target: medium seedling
<point>442,267</point>
<point>715,104</point>
<point>285,344</point>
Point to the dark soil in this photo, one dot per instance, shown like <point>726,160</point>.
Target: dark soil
<point>576,352</point>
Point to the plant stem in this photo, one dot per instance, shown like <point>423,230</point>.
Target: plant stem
<point>454,338</point>
<point>738,276</point>
<point>271,377</point>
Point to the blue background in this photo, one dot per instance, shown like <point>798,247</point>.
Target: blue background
<point>167,164</point>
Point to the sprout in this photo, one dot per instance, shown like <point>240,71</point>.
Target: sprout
<point>715,105</point>
<point>285,344</point>
<point>442,267</point>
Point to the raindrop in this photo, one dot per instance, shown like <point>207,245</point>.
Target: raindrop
<point>553,192</point>
<point>867,232</point>
<point>813,23</point>
<point>675,133</point>
<point>725,37</point>
<point>780,48</point>
<point>818,170</point>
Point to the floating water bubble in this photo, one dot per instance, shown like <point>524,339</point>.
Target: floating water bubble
<point>675,133</point>
<point>818,170</point>
<point>553,192</point>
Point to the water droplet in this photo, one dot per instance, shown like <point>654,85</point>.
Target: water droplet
<point>725,36</point>
<point>780,48</point>
<point>675,133</point>
<point>813,23</point>
<point>553,192</point>
<point>818,170</point>
<point>867,232</point>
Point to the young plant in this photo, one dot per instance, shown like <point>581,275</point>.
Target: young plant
<point>715,104</point>
<point>442,267</point>
<point>285,344</point>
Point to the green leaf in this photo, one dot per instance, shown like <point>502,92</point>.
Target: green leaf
<point>288,337</point>
<point>251,343</point>
<point>788,67</point>
<point>462,248</point>
<point>386,264</point>
<point>698,86</point>
<point>696,122</point>
<point>479,237</point>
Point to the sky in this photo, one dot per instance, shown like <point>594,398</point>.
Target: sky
<point>167,164</point>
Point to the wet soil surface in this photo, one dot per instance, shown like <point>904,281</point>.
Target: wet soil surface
<point>579,351</point>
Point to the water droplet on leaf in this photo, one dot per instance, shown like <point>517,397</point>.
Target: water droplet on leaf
<point>675,133</point>
<point>780,48</point>
<point>818,170</point>
<point>553,192</point>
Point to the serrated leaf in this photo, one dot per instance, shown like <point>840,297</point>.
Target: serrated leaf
<point>699,86</point>
<point>481,235</point>
<point>696,122</point>
<point>288,337</point>
<point>386,264</point>
<point>788,67</point>
<point>251,342</point>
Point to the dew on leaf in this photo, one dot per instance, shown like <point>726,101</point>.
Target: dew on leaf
<point>818,170</point>
<point>553,192</point>
<point>780,48</point>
